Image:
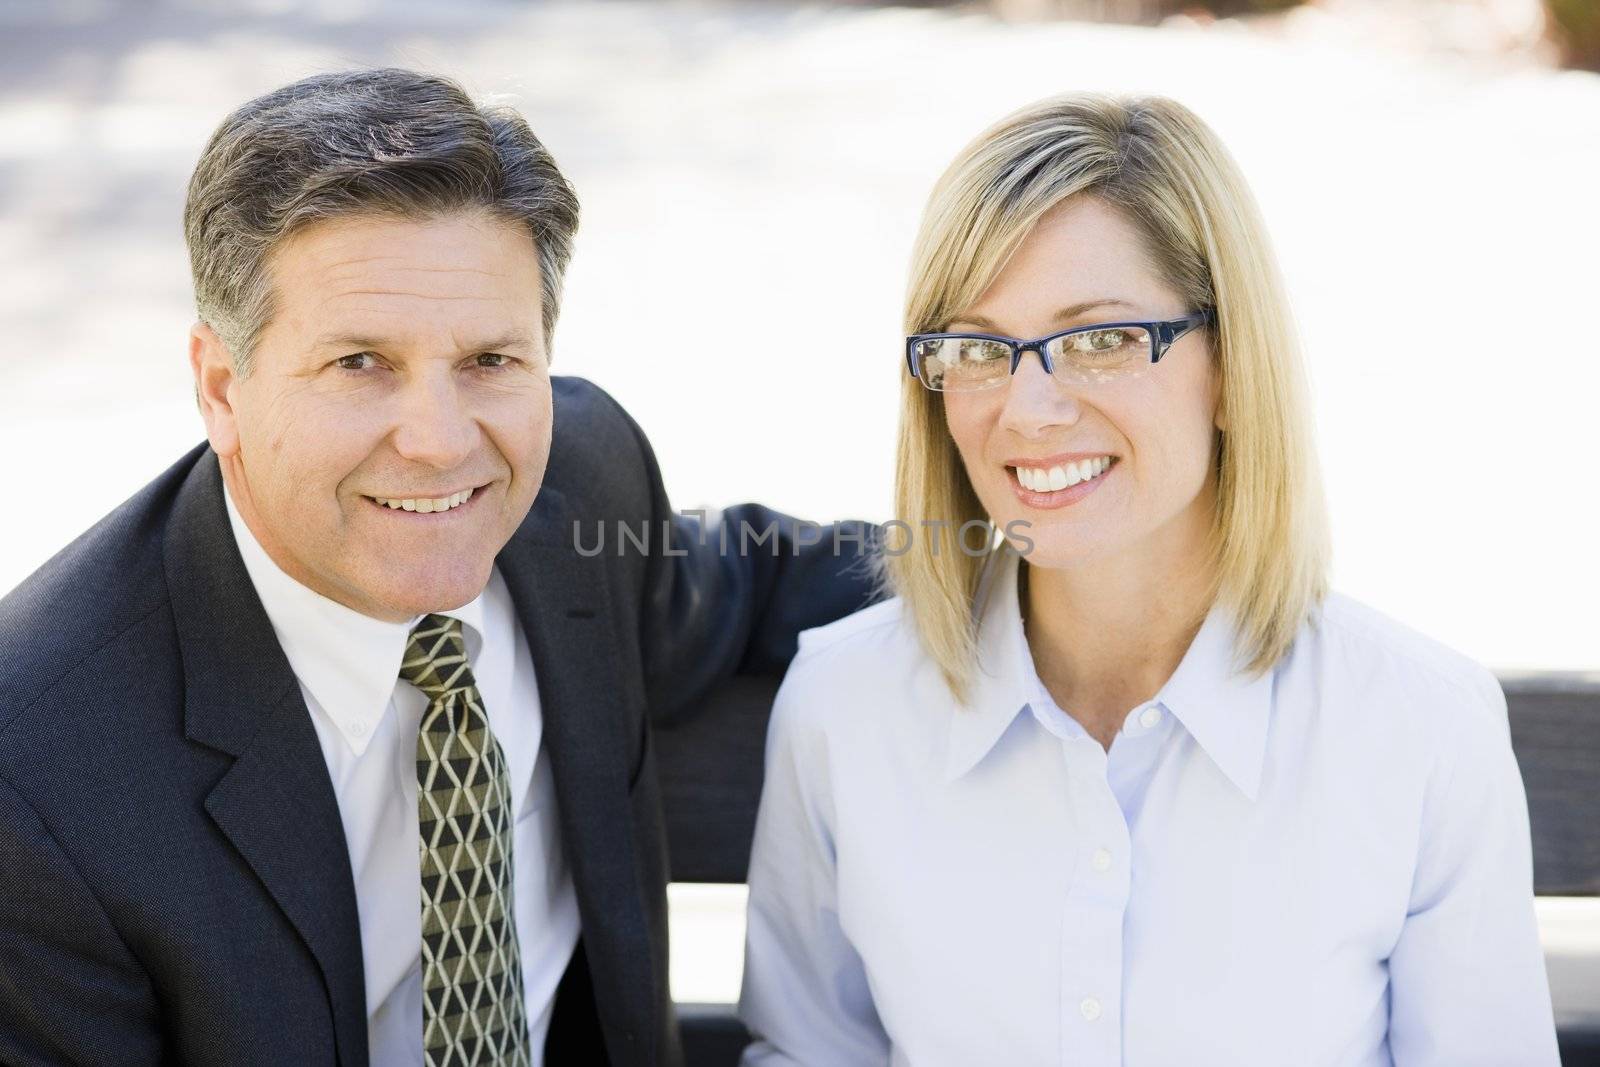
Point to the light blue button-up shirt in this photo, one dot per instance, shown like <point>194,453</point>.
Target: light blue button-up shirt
<point>1326,864</point>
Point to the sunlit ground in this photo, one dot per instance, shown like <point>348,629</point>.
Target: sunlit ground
<point>752,176</point>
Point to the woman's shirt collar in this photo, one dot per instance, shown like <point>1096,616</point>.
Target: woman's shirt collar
<point>1225,711</point>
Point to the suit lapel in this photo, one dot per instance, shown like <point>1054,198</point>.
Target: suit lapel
<point>276,803</point>
<point>562,603</point>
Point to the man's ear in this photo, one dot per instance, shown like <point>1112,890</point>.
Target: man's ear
<point>214,385</point>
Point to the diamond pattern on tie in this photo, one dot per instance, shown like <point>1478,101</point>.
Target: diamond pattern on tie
<point>472,999</point>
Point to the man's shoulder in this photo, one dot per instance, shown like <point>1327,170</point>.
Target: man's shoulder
<point>599,458</point>
<point>88,595</point>
<point>579,398</point>
<point>588,420</point>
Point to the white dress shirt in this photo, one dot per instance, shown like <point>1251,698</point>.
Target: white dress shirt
<point>1327,865</point>
<point>367,720</point>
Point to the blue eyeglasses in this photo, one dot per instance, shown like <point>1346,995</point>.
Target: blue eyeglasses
<point>1087,355</point>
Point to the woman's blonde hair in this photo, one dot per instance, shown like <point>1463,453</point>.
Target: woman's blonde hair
<point>1174,181</point>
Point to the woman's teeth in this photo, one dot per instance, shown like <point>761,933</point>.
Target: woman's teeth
<point>1050,479</point>
<point>424,505</point>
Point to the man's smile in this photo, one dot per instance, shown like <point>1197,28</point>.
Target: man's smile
<point>424,505</point>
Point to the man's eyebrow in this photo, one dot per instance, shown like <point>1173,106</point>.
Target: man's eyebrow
<point>1070,312</point>
<point>362,343</point>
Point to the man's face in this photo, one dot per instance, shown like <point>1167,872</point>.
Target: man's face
<point>404,362</point>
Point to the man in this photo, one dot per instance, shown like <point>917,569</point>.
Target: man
<point>330,745</point>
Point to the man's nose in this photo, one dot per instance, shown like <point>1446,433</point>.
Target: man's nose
<point>436,425</point>
<point>1035,401</point>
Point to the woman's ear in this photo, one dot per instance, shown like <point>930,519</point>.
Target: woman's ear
<point>1219,417</point>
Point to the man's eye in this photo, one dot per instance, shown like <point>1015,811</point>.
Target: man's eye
<point>352,361</point>
<point>496,359</point>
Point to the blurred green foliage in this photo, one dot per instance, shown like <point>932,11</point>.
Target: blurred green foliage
<point>1156,10</point>
<point>1575,24</point>
<point>1224,8</point>
<point>1242,7</point>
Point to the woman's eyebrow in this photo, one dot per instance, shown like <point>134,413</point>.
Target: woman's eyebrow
<point>1075,310</point>
<point>1072,311</point>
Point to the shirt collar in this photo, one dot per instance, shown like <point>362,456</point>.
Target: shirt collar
<point>349,662</point>
<point>1224,710</point>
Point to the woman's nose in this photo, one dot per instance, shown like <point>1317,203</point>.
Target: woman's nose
<point>1035,401</point>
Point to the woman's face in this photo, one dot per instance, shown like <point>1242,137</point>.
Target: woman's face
<point>1083,263</point>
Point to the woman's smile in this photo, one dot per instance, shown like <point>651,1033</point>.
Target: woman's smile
<point>1043,484</point>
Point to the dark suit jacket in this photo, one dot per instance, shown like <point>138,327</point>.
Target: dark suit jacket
<point>174,880</point>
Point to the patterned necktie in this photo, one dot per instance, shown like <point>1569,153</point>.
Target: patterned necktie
<point>472,1000</point>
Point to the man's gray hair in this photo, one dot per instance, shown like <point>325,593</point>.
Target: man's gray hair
<point>351,144</point>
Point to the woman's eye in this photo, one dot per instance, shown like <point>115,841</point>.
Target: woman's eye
<point>1100,340</point>
<point>974,351</point>
<point>352,361</point>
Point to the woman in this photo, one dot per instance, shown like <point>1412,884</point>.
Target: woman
<point>1133,787</point>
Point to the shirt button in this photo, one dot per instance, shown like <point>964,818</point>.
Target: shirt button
<point>1102,860</point>
<point>357,728</point>
<point>1149,717</point>
<point>1090,1008</point>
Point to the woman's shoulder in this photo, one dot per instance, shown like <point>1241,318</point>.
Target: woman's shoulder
<point>1387,657</point>
<point>871,631</point>
<point>857,669</point>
